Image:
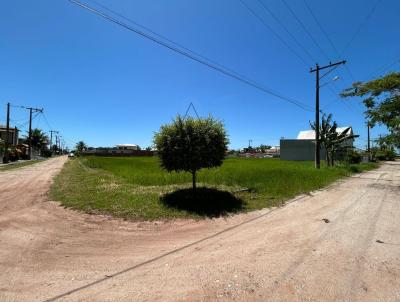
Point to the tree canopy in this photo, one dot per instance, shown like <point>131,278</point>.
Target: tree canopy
<point>38,138</point>
<point>382,100</point>
<point>80,147</point>
<point>191,144</point>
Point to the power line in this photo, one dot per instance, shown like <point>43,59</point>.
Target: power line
<point>266,25</point>
<point>27,121</point>
<point>305,29</point>
<point>286,30</point>
<point>382,69</point>
<point>193,57</point>
<point>46,121</point>
<point>161,36</point>
<point>320,27</point>
<point>358,30</point>
<point>327,37</point>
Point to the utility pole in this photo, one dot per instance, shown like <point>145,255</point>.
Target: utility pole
<point>6,143</point>
<point>250,141</point>
<point>369,146</point>
<point>317,86</point>
<point>51,139</point>
<point>30,128</point>
<point>59,144</point>
<point>56,143</point>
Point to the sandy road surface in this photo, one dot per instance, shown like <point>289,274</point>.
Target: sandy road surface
<point>285,254</point>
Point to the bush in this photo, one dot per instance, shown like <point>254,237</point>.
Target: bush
<point>46,153</point>
<point>353,157</point>
<point>385,154</point>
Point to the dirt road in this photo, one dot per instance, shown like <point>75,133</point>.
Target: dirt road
<point>285,254</point>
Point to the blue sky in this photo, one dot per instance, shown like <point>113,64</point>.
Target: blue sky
<point>105,85</point>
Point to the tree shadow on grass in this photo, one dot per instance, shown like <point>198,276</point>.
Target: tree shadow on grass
<point>204,202</point>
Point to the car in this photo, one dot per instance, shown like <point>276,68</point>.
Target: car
<point>71,154</point>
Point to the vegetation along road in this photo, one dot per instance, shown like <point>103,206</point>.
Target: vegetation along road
<point>338,244</point>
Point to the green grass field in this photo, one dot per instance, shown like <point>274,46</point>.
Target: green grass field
<point>136,188</point>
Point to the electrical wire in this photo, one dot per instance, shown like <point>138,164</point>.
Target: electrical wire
<point>47,122</point>
<point>305,29</point>
<point>320,27</point>
<point>27,122</point>
<point>193,57</point>
<point>160,36</point>
<point>266,25</point>
<point>327,37</point>
<point>286,30</point>
<point>384,68</point>
<point>358,30</point>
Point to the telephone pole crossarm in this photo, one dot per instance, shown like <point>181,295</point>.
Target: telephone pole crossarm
<point>328,66</point>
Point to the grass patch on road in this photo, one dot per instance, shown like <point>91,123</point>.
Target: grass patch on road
<point>16,165</point>
<point>136,188</point>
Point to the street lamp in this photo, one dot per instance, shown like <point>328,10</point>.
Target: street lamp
<point>332,80</point>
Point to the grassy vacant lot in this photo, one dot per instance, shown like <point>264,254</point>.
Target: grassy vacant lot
<point>16,165</point>
<point>136,188</point>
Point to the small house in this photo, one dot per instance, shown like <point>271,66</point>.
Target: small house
<point>303,147</point>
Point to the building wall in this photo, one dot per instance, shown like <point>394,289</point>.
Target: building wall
<point>299,149</point>
<point>13,135</point>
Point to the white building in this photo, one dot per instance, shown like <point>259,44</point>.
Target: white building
<point>127,147</point>
<point>303,147</point>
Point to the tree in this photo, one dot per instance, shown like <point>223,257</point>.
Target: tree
<point>263,148</point>
<point>191,144</point>
<point>38,139</point>
<point>381,98</point>
<point>54,148</point>
<point>330,138</point>
<point>80,147</point>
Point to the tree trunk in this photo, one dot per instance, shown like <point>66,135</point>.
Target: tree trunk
<point>327,157</point>
<point>194,181</point>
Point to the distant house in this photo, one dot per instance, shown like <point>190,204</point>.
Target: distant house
<point>303,147</point>
<point>13,135</point>
<point>119,150</point>
<point>127,147</point>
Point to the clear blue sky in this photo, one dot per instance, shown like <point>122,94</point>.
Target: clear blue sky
<point>105,85</point>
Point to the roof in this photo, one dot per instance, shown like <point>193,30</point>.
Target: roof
<point>2,127</point>
<point>310,134</point>
<point>126,145</point>
<point>306,134</point>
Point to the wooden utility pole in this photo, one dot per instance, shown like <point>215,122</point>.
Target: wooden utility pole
<point>30,128</point>
<point>369,146</point>
<point>317,86</point>
<point>7,141</point>
<point>51,139</point>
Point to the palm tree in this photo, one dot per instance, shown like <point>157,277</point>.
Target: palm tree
<point>38,139</point>
<point>80,147</point>
<point>330,138</point>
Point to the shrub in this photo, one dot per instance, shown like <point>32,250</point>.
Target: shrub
<point>353,157</point>
<point>191,144</point>
<point>385,154</point>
